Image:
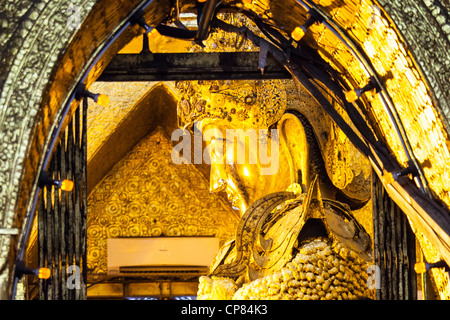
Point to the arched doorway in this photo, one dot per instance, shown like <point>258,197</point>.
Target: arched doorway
<point>68,60</point>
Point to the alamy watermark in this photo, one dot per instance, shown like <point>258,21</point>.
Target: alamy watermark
<point>237,147</point>
<point>74,277</point>
<point>374,280</point>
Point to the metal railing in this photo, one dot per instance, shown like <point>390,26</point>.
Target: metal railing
<point>62,215</point>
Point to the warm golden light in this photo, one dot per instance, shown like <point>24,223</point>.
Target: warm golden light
<point>44,273</point>
<point>388,178</point>
<point>326,3</point>
<point>154,34</point>
<point>218,185</point>
<point>351,96</point>
<point>230,155</point>
<point>420,267</point>
<point>295,188</point>
<point>66,185</point>
<point>231,184</point>
<point>298,33</point>
<point>134,46</point>
<point>246,172</point>
<point>103,100</point>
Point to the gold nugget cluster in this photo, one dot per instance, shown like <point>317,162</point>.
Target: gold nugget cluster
<point>321,270</point>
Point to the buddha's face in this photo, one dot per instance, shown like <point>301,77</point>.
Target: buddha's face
<point>244,164</point>
<point>233,117</point>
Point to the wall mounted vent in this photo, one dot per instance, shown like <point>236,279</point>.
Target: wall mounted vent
<point>161,256</point>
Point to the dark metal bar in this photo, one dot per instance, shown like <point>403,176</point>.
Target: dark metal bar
<point>387,248</point>
<point>76,192</point>
<point>391,254</point>
<point>379,232</point>
<point>376,229</point>
<point>410,260</point>
<point>401,249</point>
<point>62,215</point>
<point>191,66</point>
<point>48,221</point>
<point>408,278</point>
<point>70,209</point>
<point>41,245</point>
<point>394,252</point>
<point>56,224</point>
<point>207,14</point>
<point>84,197</point>
<point>63,174</point>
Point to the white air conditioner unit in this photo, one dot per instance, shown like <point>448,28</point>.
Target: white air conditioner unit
<point>161,256</point>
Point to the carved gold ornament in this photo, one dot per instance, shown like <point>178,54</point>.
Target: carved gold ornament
<point>267,233</point>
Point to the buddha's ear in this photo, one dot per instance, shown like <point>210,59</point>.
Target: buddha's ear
<point>295,129</point>
<point>293,141</point>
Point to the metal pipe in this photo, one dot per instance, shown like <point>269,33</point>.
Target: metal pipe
<point>205,19</point>
<point>384,96</point>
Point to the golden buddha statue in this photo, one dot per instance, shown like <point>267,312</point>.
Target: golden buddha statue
<point>294,239</point>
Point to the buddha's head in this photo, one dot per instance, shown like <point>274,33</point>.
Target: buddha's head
<point>244,126</point>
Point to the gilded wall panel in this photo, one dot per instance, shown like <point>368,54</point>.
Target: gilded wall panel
<point>34,41</point>
<point>147,195</point>
<point>413,102</point>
